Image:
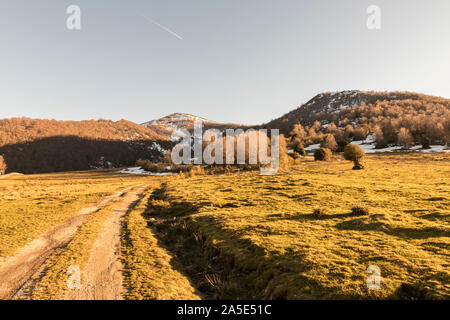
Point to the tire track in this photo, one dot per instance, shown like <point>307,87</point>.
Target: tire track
<point>17,271</point>
<point>103,279</point>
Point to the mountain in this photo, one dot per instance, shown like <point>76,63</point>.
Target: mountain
<point>417,117</point>
<point>172,125</point>
<point>38,146</point>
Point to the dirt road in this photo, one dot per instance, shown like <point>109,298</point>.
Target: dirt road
<point>19,269</point>
<point>103,272</point>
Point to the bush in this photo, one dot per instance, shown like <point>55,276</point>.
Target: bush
<point>413,292</point>
<point>148,166</point>
<point>360,210</point>
<point>300,149</point>
<point>353,152</point>
<point>294,155</point>
<point>319,212</point>
<point>322,154</point>
<point>425,141</point>
<point>3,166</point>
<point>341,145</point>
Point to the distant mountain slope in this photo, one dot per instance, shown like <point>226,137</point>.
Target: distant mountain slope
<point>172,125</point>
<point>421,116</point>
<point>334,107</point>
<point>35,146</point>
<point>18,130</point>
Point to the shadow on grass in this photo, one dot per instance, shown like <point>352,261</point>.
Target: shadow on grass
<point>308,217</point>
<point>383,225</point>
<point>222,263</point>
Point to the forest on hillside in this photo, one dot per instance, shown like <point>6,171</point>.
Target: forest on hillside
<point>394,119</point>
<point>39,146</point>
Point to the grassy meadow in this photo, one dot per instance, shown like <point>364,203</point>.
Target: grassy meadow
<point>32,204</point>
<point>245,236</point>
<point>248,236</point>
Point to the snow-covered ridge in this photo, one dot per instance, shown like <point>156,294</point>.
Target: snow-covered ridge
<point>176,118</point>
<point>175,125</point>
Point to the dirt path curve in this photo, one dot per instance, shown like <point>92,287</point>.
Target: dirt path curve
<point>16,270</point>
<point>102,275</point>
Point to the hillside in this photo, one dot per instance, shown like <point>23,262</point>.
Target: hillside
<point>172,125</point>
<point>394,118</point>
<point>37,146</point>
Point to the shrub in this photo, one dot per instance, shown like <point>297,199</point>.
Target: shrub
<point>413,292</point>
<point>341,145</point>
<point>353,152</point>
<point>294,155</point>
<point>319,212</point>
<point>148,166</point>
<point>360,210</point>
<point>425,141</point>
<point>322,154</point>
<point>300,149</point>
<point>3,166</point>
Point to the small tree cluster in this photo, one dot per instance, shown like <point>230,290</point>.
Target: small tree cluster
<point>330,143</point>
<point>322,154</point>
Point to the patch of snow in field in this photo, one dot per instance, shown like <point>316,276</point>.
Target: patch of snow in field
<point>436,149</point>
<point>140,171</point>
<point>312,147</point>
<point>369,147</point>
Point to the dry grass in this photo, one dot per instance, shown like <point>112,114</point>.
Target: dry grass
<point>246,236</point>
<point>149,271</point>
<point>31,204</point>
<point>52,283</point>
<point>263,241</point>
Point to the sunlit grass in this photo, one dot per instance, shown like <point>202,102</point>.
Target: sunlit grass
<point>31,204</point>
<point>280,249</point>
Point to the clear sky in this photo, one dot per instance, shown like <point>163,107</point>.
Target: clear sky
<point>243,61</point>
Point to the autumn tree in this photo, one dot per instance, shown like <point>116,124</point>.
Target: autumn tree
<point>379,137</point>
<point>3,166</point>
<point>298,132</point>
<point>404,138</point>
<point>330,143</point>
<point>332,128</point>
<point>353,152</point>
<point>299,148</point>
<point>322,154</point>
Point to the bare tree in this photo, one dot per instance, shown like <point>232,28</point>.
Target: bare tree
<point>404,138</point>
<point>330,143</point>
<point>3,166</point>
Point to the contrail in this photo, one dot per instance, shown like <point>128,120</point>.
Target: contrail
<point>162,27</point>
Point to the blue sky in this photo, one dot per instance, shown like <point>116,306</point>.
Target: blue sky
<point>243,61</point>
